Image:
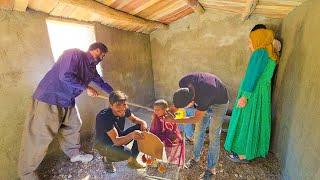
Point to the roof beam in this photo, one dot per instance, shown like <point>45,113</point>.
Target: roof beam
<point>114,15</point>
<point>44,6</point>
<point>250,7</point>
<point>196,6</point>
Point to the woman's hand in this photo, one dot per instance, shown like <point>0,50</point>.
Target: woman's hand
<point>242,102</point>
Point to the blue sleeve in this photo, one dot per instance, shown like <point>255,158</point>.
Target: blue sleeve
<point>104,85</point>
<point>258,62</point>
<point>69,63</point>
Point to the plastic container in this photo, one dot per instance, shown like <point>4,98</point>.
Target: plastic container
<point>180,113</point>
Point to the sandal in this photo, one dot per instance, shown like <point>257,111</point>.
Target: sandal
<point>235,158</point>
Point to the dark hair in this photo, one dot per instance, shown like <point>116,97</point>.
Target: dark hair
<point>98,45</point>
<point>182,97</point>
<point>117,97</point>
<point>163,104</point>
<point>258,26</point>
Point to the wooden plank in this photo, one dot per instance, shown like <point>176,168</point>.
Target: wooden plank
<point>273,10</point>
<point>250,7</point>
<point>167,9</point>
<point>132,5</point>
<point>114,17</point>
<point>106,2</point>
<point>155,8</point>
<point>268,8</point>
<point>178,15</point>
<point>61,9</point>
<point>116,3</point>
<point>174,13</point>
<point>43,6</point>
<point>225,8</point>
<point>124,3</point>
<point>261,2</point>
<point>144,6</point>
<point>81,14</point>
<point>196,6</point>
<point>276,8</point>
<point>208,2</point>
<point>232,3</point>
<point>7,4</point>
<point>20,5</point>
<point>281,2</point>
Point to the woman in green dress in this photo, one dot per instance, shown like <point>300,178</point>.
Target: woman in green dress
<point>249,128</point>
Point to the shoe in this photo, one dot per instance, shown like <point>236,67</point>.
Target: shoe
<point>235,158</point>
<point>84,158</point>
<point>134,164</point>
<point>207,175</point>
<point>191,163</point>
<point>109,165</point>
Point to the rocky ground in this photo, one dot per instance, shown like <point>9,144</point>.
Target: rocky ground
<point>57,166</point>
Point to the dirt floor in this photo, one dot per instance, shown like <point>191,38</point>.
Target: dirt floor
<point>58,166</point>
<point>262,168</point>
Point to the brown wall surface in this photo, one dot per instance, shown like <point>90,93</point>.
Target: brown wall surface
<point>25,57</point>
<point>296,96</point>
<point>215,42</point>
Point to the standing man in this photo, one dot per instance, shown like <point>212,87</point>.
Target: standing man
<point>53,108</point>
<point>210,97</point>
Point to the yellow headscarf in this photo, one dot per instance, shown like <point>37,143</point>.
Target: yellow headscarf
<point>263,38</point>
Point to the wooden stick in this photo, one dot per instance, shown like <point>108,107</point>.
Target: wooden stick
<point>130,104</point>
<point>250,7</point>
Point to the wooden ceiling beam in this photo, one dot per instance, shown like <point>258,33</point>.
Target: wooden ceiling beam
<point>114,15</point>
<point>196,6</point>
<point>43,6</point>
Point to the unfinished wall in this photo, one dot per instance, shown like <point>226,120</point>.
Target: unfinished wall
<point>25,57</point>
<point>296,96</point>
<point>126,67</point>
<point>214,42</point>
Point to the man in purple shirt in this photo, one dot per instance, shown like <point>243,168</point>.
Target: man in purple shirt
<point>209,95</point>
<point>53,108</point>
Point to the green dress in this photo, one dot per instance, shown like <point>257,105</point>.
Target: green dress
<point>250,126</point>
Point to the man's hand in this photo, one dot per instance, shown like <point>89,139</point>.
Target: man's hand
<point>137,135</point>
<point>143,126</point>
<point>91,92</point>
<point>242,102</point>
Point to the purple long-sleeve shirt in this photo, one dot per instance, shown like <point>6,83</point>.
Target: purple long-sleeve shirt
<point>68,77</point>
